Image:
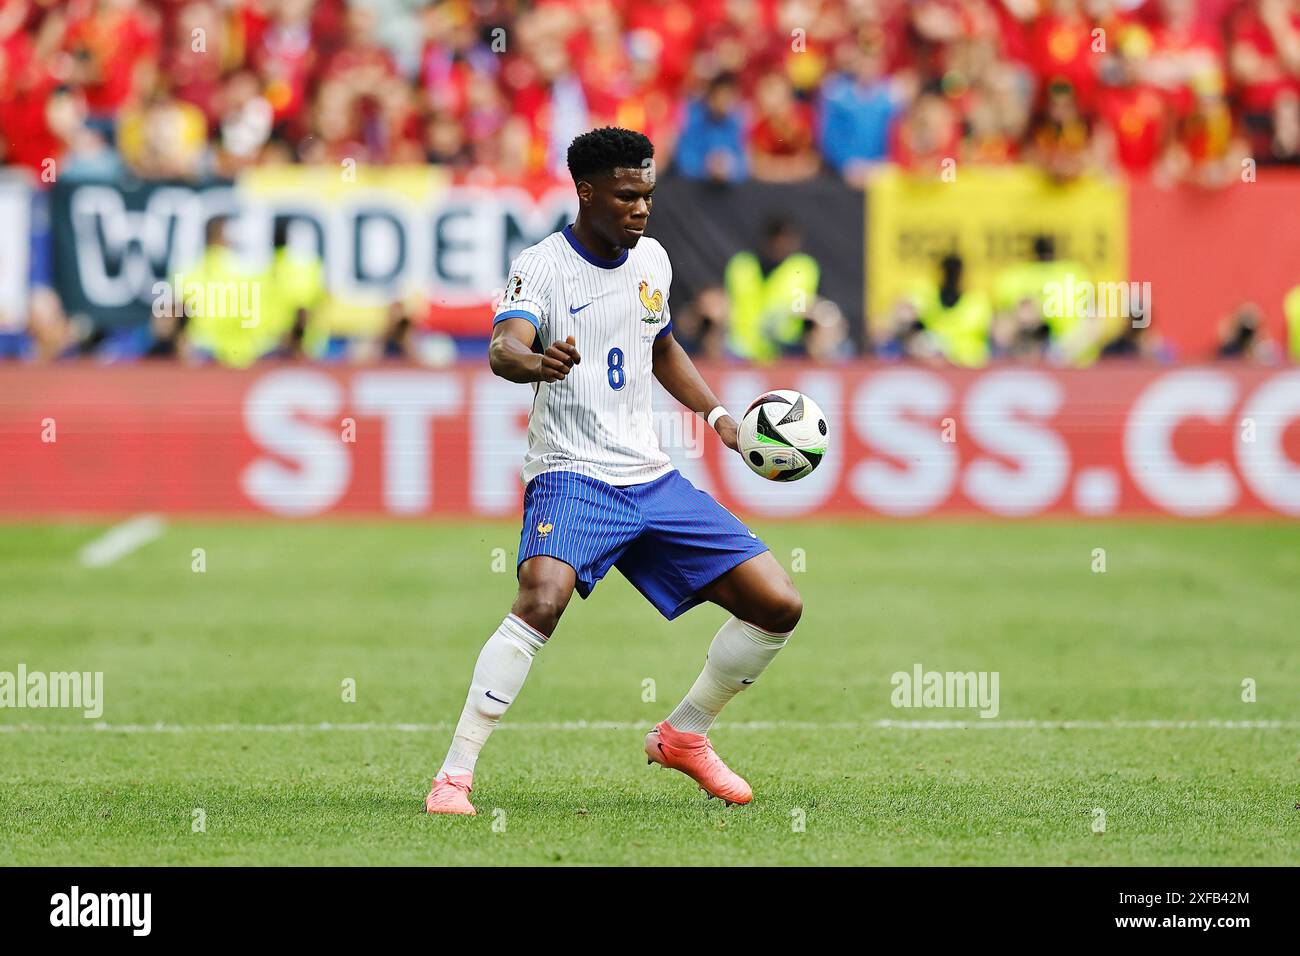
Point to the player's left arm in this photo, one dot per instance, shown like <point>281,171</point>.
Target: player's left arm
<point>678,374</point>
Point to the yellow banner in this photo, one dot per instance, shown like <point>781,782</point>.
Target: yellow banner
<point>990,217</point>
<point>345,182</point>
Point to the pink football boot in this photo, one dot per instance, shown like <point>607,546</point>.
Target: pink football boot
<point>450,795</point>
<point>693,755</point>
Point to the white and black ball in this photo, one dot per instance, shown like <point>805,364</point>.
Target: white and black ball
<point>783,435</point>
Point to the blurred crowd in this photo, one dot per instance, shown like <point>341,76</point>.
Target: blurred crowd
<point>772,90</point>
<point>776,90</point>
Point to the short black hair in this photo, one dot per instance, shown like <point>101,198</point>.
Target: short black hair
<point>606,149</point>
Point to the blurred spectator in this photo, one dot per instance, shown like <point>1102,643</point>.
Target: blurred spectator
<point>928,135</point>
<point>1020,333</point>
<point>166,335</point>
<point>445,144</point>
<point>1241,335</point>
<point>781,146</point>
<point>769,292</point>
<point>825,335</point>
<point>84,152</point>
<point>1061,140</point>
<point>1136,341</point>
<point>246,117</point>
<point>859,104</point>
<point>905,336</point>
<point>1132,113</point>
<point>713,135</point>
<point>114,55</point>
<point>164,138</point>
<point>1264,63</point>
<point>51,333</point>
<point>283,58</point>
<point>701,327</point>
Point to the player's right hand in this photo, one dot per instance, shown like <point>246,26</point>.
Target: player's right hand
<point>558,359</point>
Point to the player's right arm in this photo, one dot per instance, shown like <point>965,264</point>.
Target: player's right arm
<point>522,315</point>
<point>512,357</point>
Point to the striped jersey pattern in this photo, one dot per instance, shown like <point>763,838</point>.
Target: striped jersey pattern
<point>596,421</point>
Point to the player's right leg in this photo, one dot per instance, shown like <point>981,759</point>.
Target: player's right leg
<point>574,529</point>
<point>545,586</point>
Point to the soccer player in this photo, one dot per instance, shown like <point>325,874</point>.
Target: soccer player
<point>585,321</point>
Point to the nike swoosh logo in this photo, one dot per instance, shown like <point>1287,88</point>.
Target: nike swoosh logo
<point>497,699</point>
<point>573,311</point>
<point>742,680</point>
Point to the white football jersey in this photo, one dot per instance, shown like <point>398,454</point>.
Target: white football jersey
<point>597,421</point>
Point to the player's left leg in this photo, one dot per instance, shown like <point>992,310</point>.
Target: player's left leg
<point>695,550</point>
<point>758,591</point>
<point>765,608</point>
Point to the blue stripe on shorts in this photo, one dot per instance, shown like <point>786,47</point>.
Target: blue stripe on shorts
<point>665,536</point>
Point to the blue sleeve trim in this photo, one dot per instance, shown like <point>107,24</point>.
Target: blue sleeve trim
<point>519,314</point>
<point>665,330</point>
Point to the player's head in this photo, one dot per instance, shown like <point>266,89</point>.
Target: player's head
<point>614,172</point>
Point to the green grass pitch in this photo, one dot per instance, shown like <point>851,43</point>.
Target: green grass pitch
<point>240,665</point>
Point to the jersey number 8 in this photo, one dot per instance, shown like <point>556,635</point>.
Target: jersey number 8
<point>614,363</point>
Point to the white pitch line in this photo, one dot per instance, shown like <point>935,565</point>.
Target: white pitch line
<point>120,540</point>
<point>610,725</point>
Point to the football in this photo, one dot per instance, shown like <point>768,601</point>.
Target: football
<point>783,435</point>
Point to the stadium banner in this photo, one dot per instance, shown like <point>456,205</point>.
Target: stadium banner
<point>399,233</point>
<point>113,241</point>
<point>301,441</point>
<point>989,216</point>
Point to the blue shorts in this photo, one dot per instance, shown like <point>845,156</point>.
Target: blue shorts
<point>666,536</point>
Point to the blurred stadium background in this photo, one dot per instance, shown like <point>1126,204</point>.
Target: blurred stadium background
<point>888,193</point>
<point>1035,259</point>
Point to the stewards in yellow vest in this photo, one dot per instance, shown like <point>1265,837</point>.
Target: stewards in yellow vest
<point>957,318</point>
<point>770,293</point>
<point>292,291</point>
<point>223,304</point>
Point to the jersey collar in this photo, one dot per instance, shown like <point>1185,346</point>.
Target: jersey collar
<point>595,260</point>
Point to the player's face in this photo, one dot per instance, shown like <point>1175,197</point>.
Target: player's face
<point>620,205</point>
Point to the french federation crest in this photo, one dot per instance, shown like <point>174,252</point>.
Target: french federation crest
<point>653,303</point>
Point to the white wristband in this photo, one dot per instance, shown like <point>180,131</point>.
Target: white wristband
<point>715,415</point>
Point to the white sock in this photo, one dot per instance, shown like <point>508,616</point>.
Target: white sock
<point>739,653</point>
<point>498,677</point>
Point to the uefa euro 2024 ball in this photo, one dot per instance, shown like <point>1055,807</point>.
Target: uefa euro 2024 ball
<point>783,435</point>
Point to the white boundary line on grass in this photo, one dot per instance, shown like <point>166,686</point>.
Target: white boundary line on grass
<point>610,725</point>
<point>120,540</point>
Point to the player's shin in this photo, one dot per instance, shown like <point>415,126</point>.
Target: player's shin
<point>498,677</point>
<point>739,653</point>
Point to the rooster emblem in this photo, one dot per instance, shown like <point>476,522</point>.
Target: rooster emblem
<point>544,528</point>
<point>654,304</point>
